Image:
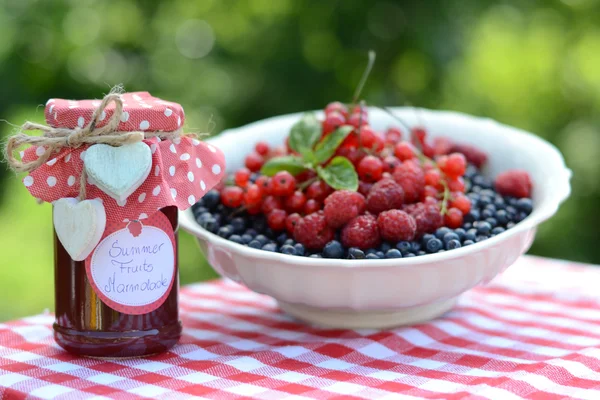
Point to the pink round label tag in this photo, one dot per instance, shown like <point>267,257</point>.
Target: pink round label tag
<point>132,269</point>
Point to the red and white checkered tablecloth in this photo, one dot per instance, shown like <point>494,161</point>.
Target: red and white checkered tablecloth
<point>533,333</point>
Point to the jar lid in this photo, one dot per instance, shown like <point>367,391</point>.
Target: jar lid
<point>183,168</point>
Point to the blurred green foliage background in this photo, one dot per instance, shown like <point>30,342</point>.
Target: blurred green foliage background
<point>532,64</point>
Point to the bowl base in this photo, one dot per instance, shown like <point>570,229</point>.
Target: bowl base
<point>367,319</point>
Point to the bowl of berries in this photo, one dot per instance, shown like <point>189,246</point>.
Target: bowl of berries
<point>356,217</point>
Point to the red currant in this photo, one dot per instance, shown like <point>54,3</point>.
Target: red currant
<point>364,188</point>
<point>264,183</point>
<point>389,163</point>
<point>311,206</point>
<point>254,162</point>
<point>370,169</point>
<point>358,119</point>
<point>241,177</point>
<point>262,148</point>
<point>453,218</point>
<point>276,220</point>
<point>253,195</point>
<point>418,135</point>
<point>318,191</point>
<point>429,191</point>
<point>291,221</point>
<point>434,178</point>
<point>338,107</point>
<point>283,184</point>
<point>455,165</point>
<point>369,139</point>
<point>461,202</point>
<point>269,204</point>
<point>456,185</point>
<point>393,135</point>
<point>333,121</point>
<point>232,196</point>
<point>405,151</point>
<point>279,151</point>
<point>442,146</point>
<point>295,202</point>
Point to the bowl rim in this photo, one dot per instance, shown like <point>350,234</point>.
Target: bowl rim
<point>539,214</point>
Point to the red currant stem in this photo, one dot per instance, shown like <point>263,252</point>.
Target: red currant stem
<point>364,77</point>
<point>423,159</point>
<point>307,183</point>
<point>362,104</point>
<point>397,118</point>
<point>238,210</point>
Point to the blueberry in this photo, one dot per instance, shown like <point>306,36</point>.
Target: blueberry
<point>393,253</point>
<point>355,253</point>
<point>492,221</point>
<point>255,244</point>
<point>371,251</point>
<point>259,224</point>
<point>483,227</point>
<point>421,253</point>
<point>225,231</point>
<point>468,242</point>
<point>511,210</point>
<point>270,247</point>
<point>472,216</point>
<point>525,205</point>
<point>288,249</point>
<point>501,216</point>
<point>385,246</point>
<point>410,255</point>
<point>497,230</point>
<point>211,199</point>
<point>372,256</point>
<point>442,251</point>
<point>251,232</point>
<point>440,232</point>
<point>199,210</point>
<point>299,249</point>
<point>282,238</point>
<point>246,238</point>
<point>270,233</point>
<point>510,225</point>
<point>426,238</point>
<point>480,238</point>
<point>486,213</point>
<point>204,217</point>
<point>290,241</point>
<point>211,225</point>
<point>452,244</point>
<point>238,224</point>
<point>491,207</point>
<point>433,245</point>
<point>236,239</point>
<point>460,232</point>
<point>467,226</point>
<point>415,247</point>
<point>471,234</point>
<point>333,249</point>
<point>262,239</point>
<point>380,254</point>
<point>316,255</point>
<point>404,247</point>
<point>450,236</point>
<point>521,216</point>
<point>484,200</point>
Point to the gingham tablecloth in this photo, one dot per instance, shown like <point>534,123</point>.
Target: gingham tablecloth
<point>532,333</point>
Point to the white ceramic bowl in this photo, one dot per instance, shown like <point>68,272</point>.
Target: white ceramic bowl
<point>386,293</point>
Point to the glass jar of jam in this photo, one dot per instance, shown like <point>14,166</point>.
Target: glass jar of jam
<point>86,326</point>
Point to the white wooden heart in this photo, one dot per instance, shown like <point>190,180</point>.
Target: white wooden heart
<point>118,171</point>
<point>79,225</point>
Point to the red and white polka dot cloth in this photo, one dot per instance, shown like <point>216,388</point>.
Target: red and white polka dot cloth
<point>183,170</point>
<point>533,333</point>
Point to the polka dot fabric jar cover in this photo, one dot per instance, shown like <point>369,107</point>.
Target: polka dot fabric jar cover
<point>183,170</point>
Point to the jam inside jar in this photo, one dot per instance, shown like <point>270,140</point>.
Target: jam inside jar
<point>86,326</point>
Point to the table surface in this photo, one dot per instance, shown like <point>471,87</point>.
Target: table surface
<point>534,332</point>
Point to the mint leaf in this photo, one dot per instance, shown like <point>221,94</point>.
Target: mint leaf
<point>326,147</point>
<point>305,133</point>
<point>339,174</point>
<point>294,165</point>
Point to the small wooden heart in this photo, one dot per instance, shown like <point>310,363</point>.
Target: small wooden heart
<point>118,171</point>
<point>79,225</point>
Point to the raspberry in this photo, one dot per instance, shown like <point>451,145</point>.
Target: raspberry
<point>390,163</point>
<point>232,196</point>
<point>333,120</point>
<point>396,226</point>
<point>262,148</point>
<point>429,191</point>
<point>313,232</point>
<point>311,206</point>
<point>411,177</point>
<point>453,218</point>
<point>361,232</point>
<point>454,165</point>
<point>364,188</point>
<point>276,220</point>
<point>514,182</point>
<point>271,203</point>
<point>385,195</point>
<point>343,205</point>
<point>241,177</point>
<point>318,191</point>
<point>370,169</point>
<point>254,162</point>
<point>405,151</point>
<point>428,219</point>
<point>295,202</point>
<point>283,183</point>
<point>291,221</point>
<point>472,153</point>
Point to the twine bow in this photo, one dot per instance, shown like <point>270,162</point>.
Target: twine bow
<point>54,139</point>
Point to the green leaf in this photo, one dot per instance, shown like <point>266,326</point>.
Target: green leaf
<point>339,174</point>
<point>294,165</point>
<point>305,133</point>
<point>326,147</point>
